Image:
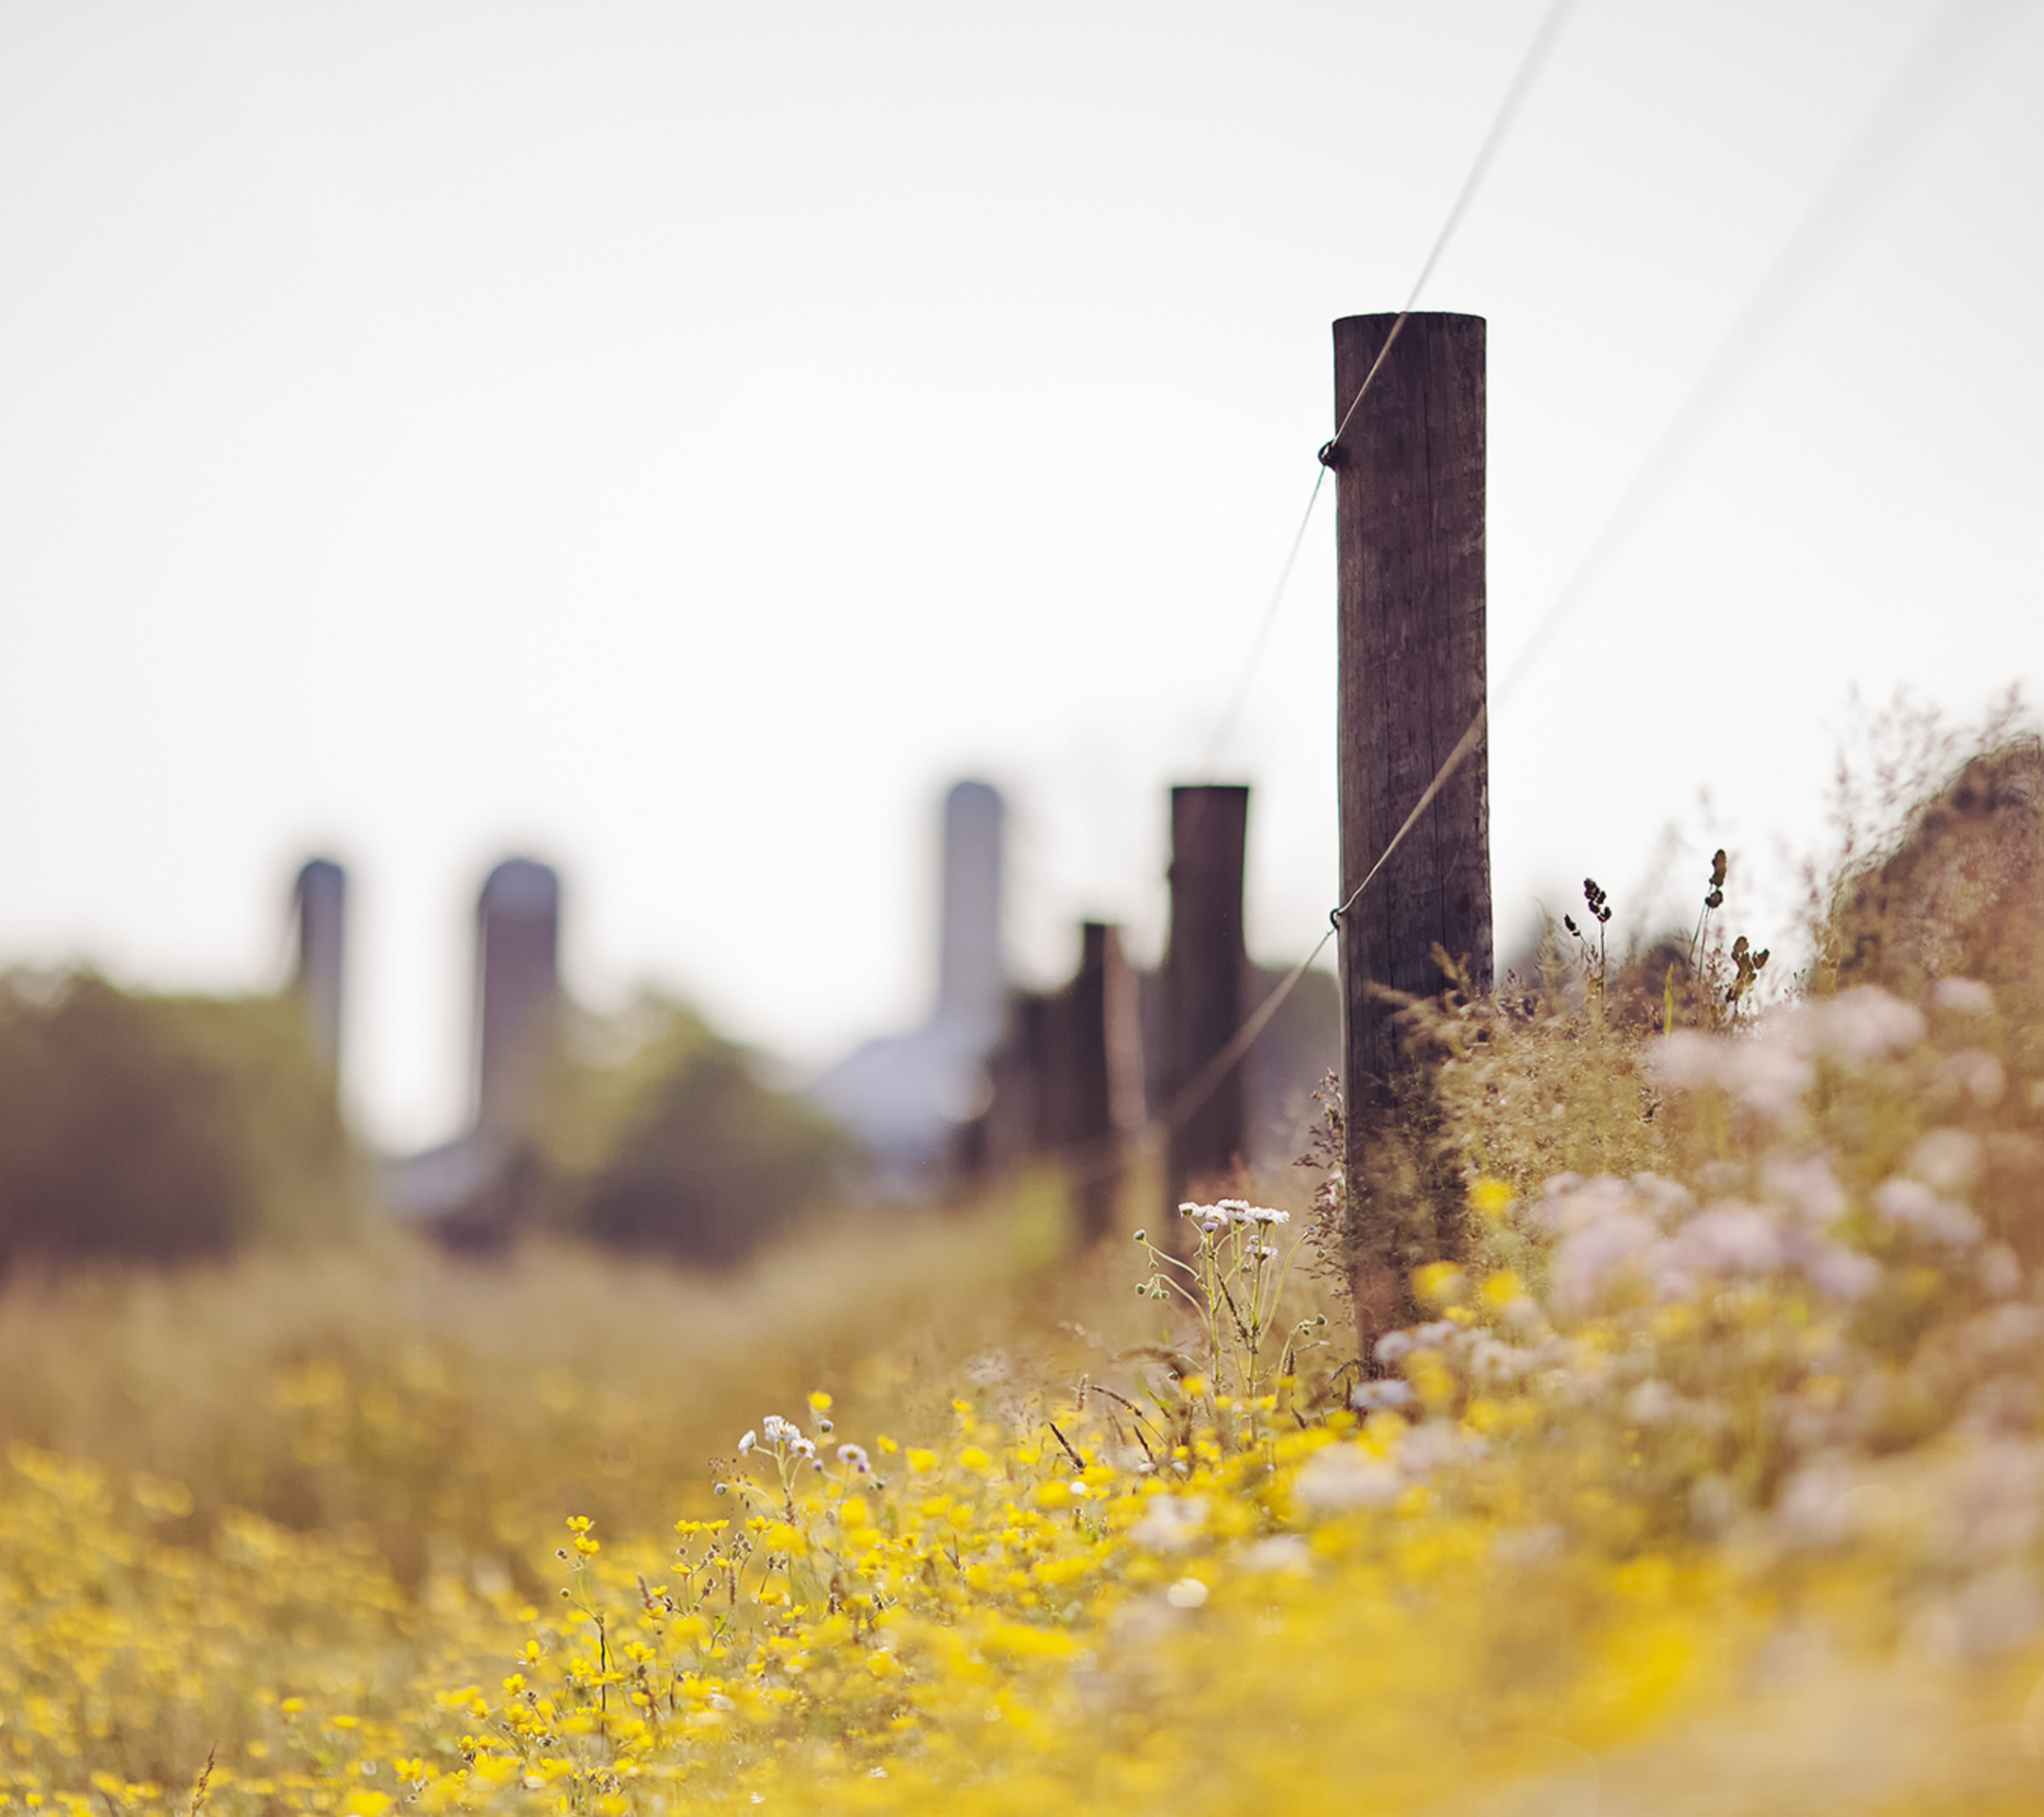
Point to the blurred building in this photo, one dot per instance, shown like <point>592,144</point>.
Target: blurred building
<point>996,1075</point>
<point>517,990</point>
<point>319,900</point>
<point>908,1098</point>
<point>469,1186</point>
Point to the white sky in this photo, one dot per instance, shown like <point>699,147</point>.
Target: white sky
<point>675,440</point>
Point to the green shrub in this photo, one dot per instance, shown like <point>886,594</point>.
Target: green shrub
<point>657,1135</point>
<point>153,1128</point>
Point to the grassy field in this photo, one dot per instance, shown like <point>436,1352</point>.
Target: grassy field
<point>1707,1476</point>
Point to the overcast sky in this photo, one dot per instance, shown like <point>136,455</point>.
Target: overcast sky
<point>676,440</point>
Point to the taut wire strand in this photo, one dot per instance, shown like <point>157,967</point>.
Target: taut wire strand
<point>1522,83</point>
<point>1852,184</point>
<point>1870,160</point>
<point>1255,656</point>
<point>1198,1089</point>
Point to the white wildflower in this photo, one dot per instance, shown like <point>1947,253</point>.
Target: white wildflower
<point>1187,1593</point>
<point>1767,1076</point>
<point>1808,1186</point>
<point>2001,1274</point>
<point>1810,1510</point>
<point>1490,1361</point>
<point>1913,1204</point>
<point>1438,1443</point>
<point>1667,1202</point>
<point>1569,1202</point>
<point>1369,1396</point>
<point>1171,1523</point>
<point>856,1457</point>
<point>1593,1255</point>
<point>1728,1240</point>
<point>1825,1504</point>
<point>1946,1160</point>
<point>1980,1075</point>
<point>746,1444</point>
<point>1964,996</point>
<point>1649,1403</point>
<point>1856,1025</point>
<point>1280,1552</point>
<point>2010,1330</point>
<point>1345,1476</point>
<point>1688,1059</point>
<point>1839,1273</point>
<point>1992,1498</point>
<point>991,1369</point>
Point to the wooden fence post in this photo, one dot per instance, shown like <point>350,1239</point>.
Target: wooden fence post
<point>1205,967</point>
<point>320,897</point>
<point>1084,1078</point>
<point>1410,475</point>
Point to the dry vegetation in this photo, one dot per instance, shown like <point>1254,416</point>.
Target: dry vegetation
<point>1709,1479</point>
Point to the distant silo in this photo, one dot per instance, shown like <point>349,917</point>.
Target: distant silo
<point>972,980</point>
<point>517,969</point>
<point>909,1098</point>
<point>320,901</point>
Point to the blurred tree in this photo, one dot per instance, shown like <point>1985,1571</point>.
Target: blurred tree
<point>656,1133</point>
<point>158,1127</point>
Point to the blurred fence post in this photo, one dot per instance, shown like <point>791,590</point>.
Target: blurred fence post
<point>1205,964</point>
<point>1087,1077</point>
<point>1410,477</point>
<point>320,899</point>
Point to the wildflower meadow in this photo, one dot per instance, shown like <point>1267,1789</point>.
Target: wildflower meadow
<point>1705,1474</point>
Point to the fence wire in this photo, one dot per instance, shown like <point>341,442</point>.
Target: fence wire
<point>1874,157</point>
<point>1507,109</point>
